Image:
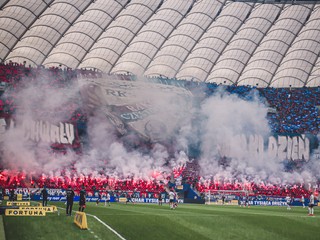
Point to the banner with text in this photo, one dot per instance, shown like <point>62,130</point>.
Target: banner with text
<point>141,106</point>
<point>283,147</point>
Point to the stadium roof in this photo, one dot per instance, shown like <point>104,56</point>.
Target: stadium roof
<point>245,43</point>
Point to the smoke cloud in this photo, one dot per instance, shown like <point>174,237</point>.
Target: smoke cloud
<point>216,126</point>
<point>105,155</point>
<point>227,124</point>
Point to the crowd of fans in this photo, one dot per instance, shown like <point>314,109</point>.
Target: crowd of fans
<point>150,187</point>
<point>295,190</point>
<point>90,184</point>
<point>292,110</point>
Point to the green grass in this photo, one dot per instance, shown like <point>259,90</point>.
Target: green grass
<point>146,221</point>
<point>2,235</point>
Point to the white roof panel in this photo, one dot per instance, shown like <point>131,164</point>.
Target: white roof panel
<point>175,50</point>
<point>215,40</point>
<point>247,43</point>
<point>152,36</point>
<point>274,46</point>
<point>49,28</point>
<point>240,49</point>
<point>15,18</point>
<point>120,33</point>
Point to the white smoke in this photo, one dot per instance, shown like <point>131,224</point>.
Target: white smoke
<point>38,99</point>
<point>226,118</point>
<point>105,155</point>
<point>215,127</point>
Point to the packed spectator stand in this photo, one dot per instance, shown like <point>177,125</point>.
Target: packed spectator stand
<point>293,110</point>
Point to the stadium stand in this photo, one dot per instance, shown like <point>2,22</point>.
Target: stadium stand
<point>300,107</point>
<point>267,47</point>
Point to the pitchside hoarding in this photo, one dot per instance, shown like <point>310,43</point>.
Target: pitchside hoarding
<point>59,195</point>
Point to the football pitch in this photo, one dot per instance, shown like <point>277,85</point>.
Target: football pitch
<point>150,221</point>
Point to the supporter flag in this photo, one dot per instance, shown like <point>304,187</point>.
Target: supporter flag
<point>152,110</point>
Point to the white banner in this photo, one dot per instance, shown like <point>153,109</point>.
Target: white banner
<point>153,110</point>
<point>280,147</point>
<point>46,132</point>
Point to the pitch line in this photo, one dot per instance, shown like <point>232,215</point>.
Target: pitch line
<point>107,226</point>
<point>102,222</point>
